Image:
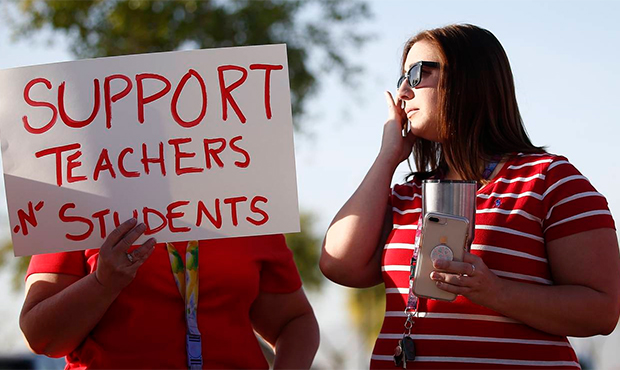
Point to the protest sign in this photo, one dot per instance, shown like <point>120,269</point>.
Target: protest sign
<point>195,144</point>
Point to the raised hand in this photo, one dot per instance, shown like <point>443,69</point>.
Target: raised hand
<point>394,147</point>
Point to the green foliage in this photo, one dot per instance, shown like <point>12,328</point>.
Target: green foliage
<point>18,265</point>
<point>317,30</point>
<point>306,249</point>
<point>367,310</point>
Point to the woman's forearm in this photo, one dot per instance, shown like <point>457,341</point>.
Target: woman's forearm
<point>59,311</point>
<point>585,299</point>
<point>582,302</point>
<point>567,310</point>
<point>57,325</point>
<point>297,343</point>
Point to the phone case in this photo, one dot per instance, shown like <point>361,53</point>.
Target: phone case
<point>443,236</point>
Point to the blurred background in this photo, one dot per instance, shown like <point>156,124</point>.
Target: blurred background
<point>342,56</point>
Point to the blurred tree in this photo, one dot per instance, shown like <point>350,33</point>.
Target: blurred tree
<point>306,247</point>
<point>367,308</point>
<point>17,265</point>
<point>317,32</point>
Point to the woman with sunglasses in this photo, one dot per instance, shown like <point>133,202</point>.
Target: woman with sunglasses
<point>544,261</point>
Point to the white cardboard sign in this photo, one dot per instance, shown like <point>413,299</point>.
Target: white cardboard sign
<point>196,144</point>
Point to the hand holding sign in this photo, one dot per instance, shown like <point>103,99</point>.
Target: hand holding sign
<point>116,268</point>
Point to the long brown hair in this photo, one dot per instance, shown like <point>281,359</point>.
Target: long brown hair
<point>479,118</point>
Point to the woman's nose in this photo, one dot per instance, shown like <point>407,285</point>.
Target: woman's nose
<point>405,92</point>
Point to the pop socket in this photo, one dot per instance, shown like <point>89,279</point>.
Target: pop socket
<point>442,252</point>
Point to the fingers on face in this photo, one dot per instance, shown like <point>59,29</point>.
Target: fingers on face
<point>390,100</point>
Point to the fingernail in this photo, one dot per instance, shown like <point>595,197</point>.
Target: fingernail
<point>434,275</point>
<point>133,220</point>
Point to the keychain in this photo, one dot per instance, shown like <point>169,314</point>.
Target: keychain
<point>405,350</point>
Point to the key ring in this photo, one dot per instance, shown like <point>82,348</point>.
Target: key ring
<point>409,323</point>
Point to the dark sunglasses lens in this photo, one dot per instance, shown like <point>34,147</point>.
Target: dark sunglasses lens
<point>415,75</point>
<point>400,81</point>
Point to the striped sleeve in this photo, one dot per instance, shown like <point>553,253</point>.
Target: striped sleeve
<point>406,202</point>
<point>571,204</point>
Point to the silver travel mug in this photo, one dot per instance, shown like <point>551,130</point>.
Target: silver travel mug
<point>451,197</point>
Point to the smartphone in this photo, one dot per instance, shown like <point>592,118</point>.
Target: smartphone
<point>444,236</point>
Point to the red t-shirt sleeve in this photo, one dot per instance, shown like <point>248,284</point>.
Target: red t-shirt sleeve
<point>70,263</point>
<point>572,205</point>
<point>279,273</point>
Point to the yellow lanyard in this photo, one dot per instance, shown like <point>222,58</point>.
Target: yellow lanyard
<point>186,278</point>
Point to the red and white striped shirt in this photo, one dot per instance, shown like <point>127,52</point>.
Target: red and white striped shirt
<point>533,199</point>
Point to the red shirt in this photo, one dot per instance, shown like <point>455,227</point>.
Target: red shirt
<point>145,326</point>
<point>533,199</point>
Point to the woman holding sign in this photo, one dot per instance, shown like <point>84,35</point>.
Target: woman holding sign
<point>544,260</point>
<point>176,305</point>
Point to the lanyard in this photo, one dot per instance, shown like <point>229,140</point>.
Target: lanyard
<point>490,167</point>
<point>186,278</point>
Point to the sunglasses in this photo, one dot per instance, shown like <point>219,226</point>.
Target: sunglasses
<point>414,75</point>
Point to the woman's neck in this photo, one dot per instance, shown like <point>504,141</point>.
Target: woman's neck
<point>451,174</point>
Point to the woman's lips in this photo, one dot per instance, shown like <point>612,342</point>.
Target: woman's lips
<point>412,112</point>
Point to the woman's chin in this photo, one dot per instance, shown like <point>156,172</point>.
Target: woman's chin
<point>424,134</point>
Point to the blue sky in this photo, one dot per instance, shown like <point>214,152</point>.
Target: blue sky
<point>564,56</point>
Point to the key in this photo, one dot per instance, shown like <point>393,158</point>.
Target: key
<point>398,354</point>
<point>408,348</point>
